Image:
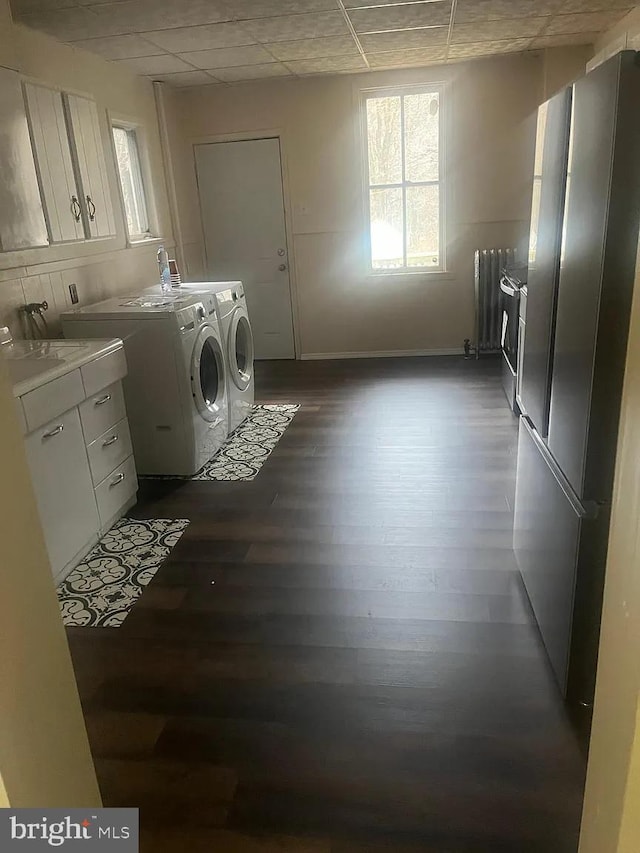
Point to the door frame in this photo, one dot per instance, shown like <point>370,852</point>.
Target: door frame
<point>256,136</point>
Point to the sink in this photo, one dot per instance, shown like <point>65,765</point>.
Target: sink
<point>24,368</point>
<point>35,363</point>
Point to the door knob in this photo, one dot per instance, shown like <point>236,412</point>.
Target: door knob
<point>282,267</point>
<point>281,253</point>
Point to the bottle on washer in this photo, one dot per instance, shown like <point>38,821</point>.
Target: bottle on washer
<point>165,273</point>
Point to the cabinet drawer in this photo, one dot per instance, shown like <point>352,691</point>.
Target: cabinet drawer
<point>108,451</point>
<point>101,411</point>
<point>115,490</point>
<point>47,402</point>
<point>101,372</point>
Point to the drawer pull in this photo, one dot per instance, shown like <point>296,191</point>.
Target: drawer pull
<point>55,431</point>
<point>116,480</point>
<point>103,400</point>
<point>109,441</point>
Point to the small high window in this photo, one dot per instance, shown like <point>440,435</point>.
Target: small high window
<point>133,191</point>
<point>404,176</point>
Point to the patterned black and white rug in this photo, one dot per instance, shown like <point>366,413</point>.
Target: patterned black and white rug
<point>249,445</point>
<point>103,588</point>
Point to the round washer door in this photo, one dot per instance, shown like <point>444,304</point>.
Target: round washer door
<point>207,374</point>
<point>240,350</point>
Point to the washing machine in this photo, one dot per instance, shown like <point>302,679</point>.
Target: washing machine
<point>176,386</point>
<point>235,327</point>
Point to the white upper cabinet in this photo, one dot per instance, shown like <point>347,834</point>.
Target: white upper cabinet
<point>54,187</point>
<point>51,147</point>
<point>86,140</point>
<point>22,222</point>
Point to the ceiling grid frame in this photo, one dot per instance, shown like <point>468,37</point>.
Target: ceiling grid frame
<point>186,43</point>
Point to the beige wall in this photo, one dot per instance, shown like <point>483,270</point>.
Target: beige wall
<point>99,268</point>
<point>44,752</point>
<point>610,818</point>
<point>626,33</point>
<point>563,66</point>
<point>342,309</point>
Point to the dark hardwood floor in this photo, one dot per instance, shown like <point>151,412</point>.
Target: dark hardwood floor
<point>339,657</point>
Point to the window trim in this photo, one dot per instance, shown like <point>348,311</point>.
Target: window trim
<point>390,91</point>
<point>153,234</point>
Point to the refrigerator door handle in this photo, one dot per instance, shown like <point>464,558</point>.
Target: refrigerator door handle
<point>586,510</point>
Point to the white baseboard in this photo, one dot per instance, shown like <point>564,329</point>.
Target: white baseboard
<point>395,353</point>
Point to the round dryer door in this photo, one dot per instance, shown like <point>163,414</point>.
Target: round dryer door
<point>207,374</point>
<point>240,346</point>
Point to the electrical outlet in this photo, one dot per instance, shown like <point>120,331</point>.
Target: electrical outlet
<point>73,291</point>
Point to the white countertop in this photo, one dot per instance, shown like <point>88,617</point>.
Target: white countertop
<point>34,363</point>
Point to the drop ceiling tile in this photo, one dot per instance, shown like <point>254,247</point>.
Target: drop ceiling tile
<point>23,7</point>
<point>404,39</point>
<point>328,65</point>
<point>407,58</point>
<point>381,18</point>
<point>205,37</point>
<point>120,47</point>
<point>590,22</point>
<point>486,48</point>
<point>488,10</point>
<point>66,24</point>
<point>187,78</point>
<point>576,6</point>
<point>228,57</point>
<point>163,64</point>
<point>294,27</point>
<point>498,30</point>
<point>137,16</point>
<point>245,9</point>
<point>251,72</point>
<point>563,39</point>
<point>313,48</point>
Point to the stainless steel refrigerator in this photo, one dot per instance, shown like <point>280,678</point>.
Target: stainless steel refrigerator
<point>582,269</point>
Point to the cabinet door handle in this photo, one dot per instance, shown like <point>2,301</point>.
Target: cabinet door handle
<point>55,431</point>
<point>92,208</point>
<point>116,480</point>
<point>109,441</point>
<point>103,400</point>
<point>75,208</point>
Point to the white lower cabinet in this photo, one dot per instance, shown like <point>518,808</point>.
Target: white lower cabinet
<point>64,488</point>
<point>81,460</point>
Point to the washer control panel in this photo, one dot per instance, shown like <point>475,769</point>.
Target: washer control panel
<point>198,313</point>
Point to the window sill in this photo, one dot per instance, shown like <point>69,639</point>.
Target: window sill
<point>434,275</point>
<point>133,242</point>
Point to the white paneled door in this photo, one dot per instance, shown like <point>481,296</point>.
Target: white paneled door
<point>242,206</point>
